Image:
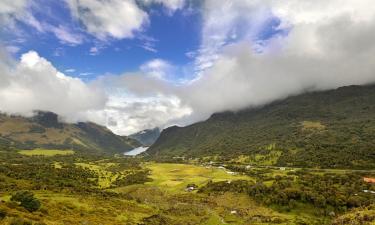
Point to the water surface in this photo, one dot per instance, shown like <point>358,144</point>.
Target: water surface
<point>136,151</point>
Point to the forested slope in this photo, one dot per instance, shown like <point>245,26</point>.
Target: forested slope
<point>333,128</point>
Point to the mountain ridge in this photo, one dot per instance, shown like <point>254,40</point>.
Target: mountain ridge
<point>333,128</point>
<point>44,130</point>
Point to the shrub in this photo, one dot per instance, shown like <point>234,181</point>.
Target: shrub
<point>3,214</point>
<point>27,200</point>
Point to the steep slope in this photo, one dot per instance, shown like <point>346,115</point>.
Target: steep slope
<point>45,131</point>
<point>146,137</point>
<point>324,129</point>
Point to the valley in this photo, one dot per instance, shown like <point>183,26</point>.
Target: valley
<point>122,190</point>
<point>296,161</point>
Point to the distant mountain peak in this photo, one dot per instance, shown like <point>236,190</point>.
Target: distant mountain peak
<point>146,137</point>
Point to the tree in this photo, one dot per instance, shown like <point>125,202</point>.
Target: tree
<point>26,200</point>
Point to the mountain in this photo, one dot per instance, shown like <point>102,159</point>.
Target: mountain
<point>146,137</point>
<point>329,129</point>
<point>44,130</point>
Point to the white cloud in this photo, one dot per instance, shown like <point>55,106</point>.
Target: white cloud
<point>328,45</point>
<point>34,84</point>
<point>117,19</point>
<point>85,74</point>
<point>10,9</point>
<point>66,36</point>
<point>172,5</point>
<point>149,48</point>
<point>13,11</point>
<point>12,49</point>
<point>126,114</point>
<point>109,19</point>
<point>70,70</point>
<point>158,68</point>
<point>225,23</point>
<point>94,51</point>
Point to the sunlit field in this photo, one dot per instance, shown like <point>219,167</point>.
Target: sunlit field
<point>46,152</point>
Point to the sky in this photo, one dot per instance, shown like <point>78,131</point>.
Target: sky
<point>132,65</point>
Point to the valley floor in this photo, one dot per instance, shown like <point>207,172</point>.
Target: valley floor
<point>78,190</point>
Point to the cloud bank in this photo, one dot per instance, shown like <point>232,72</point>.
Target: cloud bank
<point>34,84</point>
<point>314,46</point>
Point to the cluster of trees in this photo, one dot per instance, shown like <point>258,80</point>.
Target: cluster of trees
<point>46,177</point>
<point>135,177</point>
<point>329,192</point>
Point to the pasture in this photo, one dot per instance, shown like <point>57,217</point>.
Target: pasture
<point>45,152</point>
<point>175,177</point>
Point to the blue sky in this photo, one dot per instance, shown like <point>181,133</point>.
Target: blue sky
<point>168,36</point>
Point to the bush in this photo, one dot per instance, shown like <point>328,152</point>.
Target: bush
<point>20,221</point>
<point>3,214</point>
<point>27,200</point>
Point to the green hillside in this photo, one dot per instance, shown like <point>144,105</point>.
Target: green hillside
<point>45,131</point>
<point>333,129</point>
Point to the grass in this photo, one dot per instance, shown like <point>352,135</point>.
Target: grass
<point>60,209</point>
<point>165,195</point>
<point>260,159</point>
<point>312,125</point>
<point>45,152</point>
<point>106,177</point>
<point>175,177</point>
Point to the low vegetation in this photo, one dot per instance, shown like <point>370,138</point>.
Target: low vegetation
<point>76,189</point>
<point>45,152</point>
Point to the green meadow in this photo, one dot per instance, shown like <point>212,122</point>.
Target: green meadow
<point>175,177</point>
<point>45,152</point>
<point>116,190</point>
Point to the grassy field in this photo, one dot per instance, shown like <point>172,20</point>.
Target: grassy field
<point>62,209</point>
<point>106,177</point>
<point>175,177</point>
<point>46,152</point>
<point>163,200</point>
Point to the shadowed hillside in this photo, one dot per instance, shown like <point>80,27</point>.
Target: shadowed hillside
<point>44,130</point>
<point>333,128</point>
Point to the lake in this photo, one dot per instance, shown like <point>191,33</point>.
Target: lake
<point>136,151</point>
